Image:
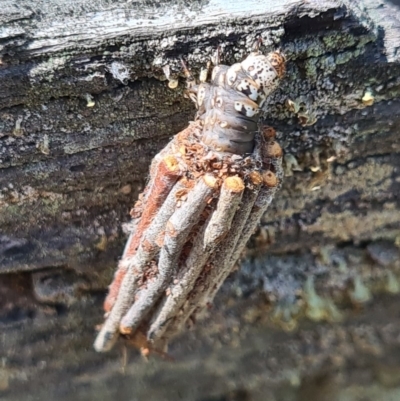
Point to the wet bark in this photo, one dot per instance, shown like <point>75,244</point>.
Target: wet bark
<point>84,106</point>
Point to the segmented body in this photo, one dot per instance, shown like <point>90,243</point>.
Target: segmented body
<point>229,106</point>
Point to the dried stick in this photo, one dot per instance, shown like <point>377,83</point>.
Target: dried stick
<point>212,232</point>
<point>271,184</point>
<point>176,233</point>
<point>134,267</point>
<point>261,205</point>
<point>224,252</point>
<point>245,222</point>
<point>167,172</point>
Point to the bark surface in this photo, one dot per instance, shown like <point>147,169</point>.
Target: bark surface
<point>85,105</point>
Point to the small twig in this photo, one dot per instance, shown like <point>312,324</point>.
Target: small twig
<point>271,184</point>
<point>167,174</point>
<point>177,230</point>
<point>147,248</point>
<point>164,178</point>
<point>218,261</point>
<point>215,228</point>
<point>263,201</point>
<point>254,205</point>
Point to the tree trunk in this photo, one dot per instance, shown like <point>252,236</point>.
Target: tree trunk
<point>85,105</point>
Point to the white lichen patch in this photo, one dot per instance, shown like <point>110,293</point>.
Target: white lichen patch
<point>120,72</point>
<point>46,69</point>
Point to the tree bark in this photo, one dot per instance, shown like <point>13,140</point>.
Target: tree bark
<point>85,105</point>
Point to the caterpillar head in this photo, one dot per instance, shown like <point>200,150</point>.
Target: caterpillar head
<point>256,76</point>
<point>265,71</point>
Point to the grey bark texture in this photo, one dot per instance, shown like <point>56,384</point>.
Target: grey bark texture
<point>85,105</point>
